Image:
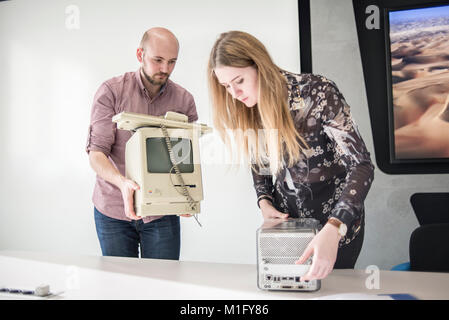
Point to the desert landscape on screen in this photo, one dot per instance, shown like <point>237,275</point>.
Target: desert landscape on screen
<point>420,78</point>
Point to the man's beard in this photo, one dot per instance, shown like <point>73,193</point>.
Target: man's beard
<point>153,81</point>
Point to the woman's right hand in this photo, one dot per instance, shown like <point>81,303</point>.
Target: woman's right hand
<point>269,212</point>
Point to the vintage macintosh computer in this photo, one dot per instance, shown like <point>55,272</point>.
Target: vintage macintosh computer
<point>163,158</point>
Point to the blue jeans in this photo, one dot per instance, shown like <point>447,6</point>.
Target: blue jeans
<point>158,239</point>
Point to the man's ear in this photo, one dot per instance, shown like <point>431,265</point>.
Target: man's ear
<point>139,54</point>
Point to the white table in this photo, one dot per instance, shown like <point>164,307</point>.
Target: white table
<point>94,277</point>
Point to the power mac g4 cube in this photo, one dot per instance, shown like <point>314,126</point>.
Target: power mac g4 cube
<point>279,244</point>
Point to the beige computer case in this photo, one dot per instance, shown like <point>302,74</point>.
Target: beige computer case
<point>157,194</point>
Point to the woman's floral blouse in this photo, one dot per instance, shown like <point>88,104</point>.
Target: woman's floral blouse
<point>335,174</point>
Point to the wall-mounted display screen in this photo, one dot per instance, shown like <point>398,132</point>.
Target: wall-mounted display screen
<point>418,67</point>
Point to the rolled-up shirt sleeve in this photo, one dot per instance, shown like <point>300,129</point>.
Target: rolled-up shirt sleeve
<point>101,135</point>
<point>352,152</point>
<point>191,110</point>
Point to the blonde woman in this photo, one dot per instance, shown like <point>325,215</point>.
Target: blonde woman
<point>297,129</point>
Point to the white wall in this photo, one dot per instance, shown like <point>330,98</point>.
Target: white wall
<point>48,76</point>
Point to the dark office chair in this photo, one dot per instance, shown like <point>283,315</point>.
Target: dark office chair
<point>429,243</point>
<point>431,208</point>
<point>429,248</point>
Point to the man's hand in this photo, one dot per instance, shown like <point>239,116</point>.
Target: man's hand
<point>269,212</point>
<point>106,170</point>
<point>127,187</point>
<point>324,247</point>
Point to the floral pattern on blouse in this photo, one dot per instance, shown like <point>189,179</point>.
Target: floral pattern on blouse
<point>334,176</point>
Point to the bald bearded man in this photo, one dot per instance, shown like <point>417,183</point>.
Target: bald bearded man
<point>149,91</point>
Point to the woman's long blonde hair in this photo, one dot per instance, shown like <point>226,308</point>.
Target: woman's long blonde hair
<point>266,132</point>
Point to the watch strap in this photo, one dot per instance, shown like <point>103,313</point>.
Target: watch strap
<point>337,223</point>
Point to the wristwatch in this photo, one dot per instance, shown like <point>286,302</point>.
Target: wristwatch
<point>342,228</point>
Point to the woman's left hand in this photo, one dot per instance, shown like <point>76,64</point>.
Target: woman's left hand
<point>324,247</point>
